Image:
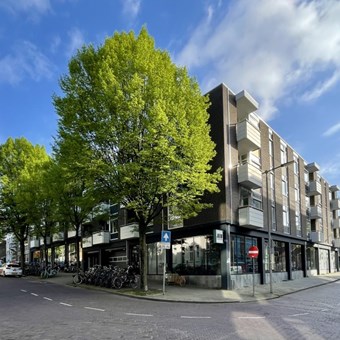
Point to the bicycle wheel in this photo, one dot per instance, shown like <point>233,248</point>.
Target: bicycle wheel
<point>117,283</point>
<point>77,279</point>
<point>134,283</point>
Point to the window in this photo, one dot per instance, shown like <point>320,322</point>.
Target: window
<point>284,152</point>
<point>274,225</point>
<point>285,214</point>
<point>252,198</point>
<point>240,262</point>
<point>298,222</point>
<point>284,186</point>
<point>296,255</point>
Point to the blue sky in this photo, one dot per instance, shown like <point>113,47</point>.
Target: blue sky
<point>286,53</point>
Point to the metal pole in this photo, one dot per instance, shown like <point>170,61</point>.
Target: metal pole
<point>269,236</point>
<point>164,265</point>
<point>253,276</point>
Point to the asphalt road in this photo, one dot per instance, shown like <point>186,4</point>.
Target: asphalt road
<point>31,309</point>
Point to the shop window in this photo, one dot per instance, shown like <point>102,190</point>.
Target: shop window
<point>240,262</point>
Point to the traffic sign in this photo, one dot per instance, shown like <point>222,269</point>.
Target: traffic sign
<point>253,252</point>
<point>166,239</point>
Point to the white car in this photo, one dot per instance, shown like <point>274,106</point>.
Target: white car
<point>10,269</point>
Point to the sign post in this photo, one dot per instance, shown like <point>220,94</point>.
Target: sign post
<point>165,244</point>
<point>253,252</point>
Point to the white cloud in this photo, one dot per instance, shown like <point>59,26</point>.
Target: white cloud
<point>131,7</point>
<point>26,61</point>
<point>274,49</point>
<point>331,169</point>
<point>76,41</point>
<point>33,8</point>
<point>332,130</point>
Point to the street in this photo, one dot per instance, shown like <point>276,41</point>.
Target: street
<point>32,309</point>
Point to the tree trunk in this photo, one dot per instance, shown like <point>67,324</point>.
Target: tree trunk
<point>22,253</point>
<point>143,258</point>
<point>77,248</point>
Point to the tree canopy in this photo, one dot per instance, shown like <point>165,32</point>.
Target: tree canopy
<point>20,165</point>
<point>142,125</point>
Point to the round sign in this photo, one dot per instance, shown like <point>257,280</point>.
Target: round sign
<point>253,252</point>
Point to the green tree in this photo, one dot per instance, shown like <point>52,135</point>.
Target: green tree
<point>143,126</point>
<point>19,162</point>
<point>76,199</point>
<point>42,203</point>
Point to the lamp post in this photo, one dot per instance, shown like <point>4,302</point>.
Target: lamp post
<point>266,172</point>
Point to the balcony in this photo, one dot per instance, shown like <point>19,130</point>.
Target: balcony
<point>48,241</point>
<point>87,242</point>
<point>58,237</point>
<point>248,137</point>
<point>102,237</point>
<point>72,233</point>
<point>336,223</point>
<point>250,217</point>
<point>249,176</point>
<point>129,231</point>
<point>316,236</point>
<point>245,104</point>
<point>335,204</point>
<point>314,188</point>
<point>315,212</point>
<point>34,244</point>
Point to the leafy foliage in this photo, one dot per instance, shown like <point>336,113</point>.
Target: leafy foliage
<point>141,123</point>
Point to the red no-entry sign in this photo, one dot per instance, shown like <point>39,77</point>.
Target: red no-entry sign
<point>253,252</point>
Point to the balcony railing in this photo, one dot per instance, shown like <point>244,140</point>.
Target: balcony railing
<point>34,243</point>
<point>315,212</point>
<point>249,176</point>
<point>101,237</point>
<point>248,137</point>
<point>87,242</point>
<point>129,231</point>
<point>250,217</point>
<point>335,204</point>
<point>314,188</point>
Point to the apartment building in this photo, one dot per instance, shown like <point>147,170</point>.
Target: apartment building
<point>269,197</point>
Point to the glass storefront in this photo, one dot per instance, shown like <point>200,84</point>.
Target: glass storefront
<point>296,257</point>
<point>196,255</point>
<point>279,263</point>
<point>311,258</point>
<point>240,262</point>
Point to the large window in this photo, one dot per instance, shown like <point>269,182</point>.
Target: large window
<point>196,255</point>
<point>296,256</point>
<point>240,262</point>
<point>278,257</point>
<point>311,258</point>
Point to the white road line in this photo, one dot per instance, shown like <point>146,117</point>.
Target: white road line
<point>135,314</point>
<point>299,314</point>
<point>195,317</point>
<point>251,317</point>
<point>97,309</point>
<point>23,290</point>
<point>46,298</point>
<point>65,304</point>
<point>34,294</point>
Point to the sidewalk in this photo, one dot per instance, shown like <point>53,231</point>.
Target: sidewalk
<point>204,295</point>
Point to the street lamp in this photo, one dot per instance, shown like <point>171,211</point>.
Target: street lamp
<point>266,172</point>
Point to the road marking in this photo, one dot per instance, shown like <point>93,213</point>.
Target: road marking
<point>46,298</point>
<point>65,304</point>
<point>135,314</point>
<point>299,314</point>
<point>34,294</point>
<point>23,290</point>
<point>251,317</point>
<point>97,309</point>
<point>195,317</point>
